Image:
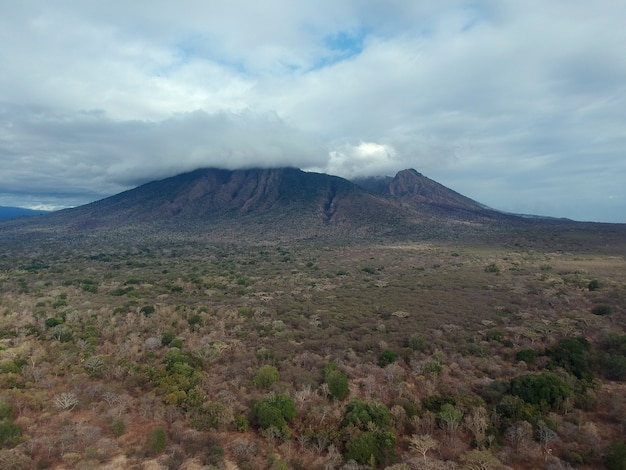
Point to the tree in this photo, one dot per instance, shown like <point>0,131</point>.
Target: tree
<point>266,376</point>
<point>387,357</point>
<point>422,444</point>
<point>156,440</point>
<point>615,456</point>
<point>480,460</point>
<point>545,389</point>
<point>338,385</point>
<point>449,418</point>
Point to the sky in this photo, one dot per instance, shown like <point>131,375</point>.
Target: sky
<point>518,105</point>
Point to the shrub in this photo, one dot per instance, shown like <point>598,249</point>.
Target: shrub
<point>370,447</point>
<point>593,285</point>
<point>156,440</point>
<point>360,413</point>
<point>266,376</point>
<point>10,434</point>
<point>615,456</point>
<point>526,355</point>
<point>572,354</point>
<point>274,411</point>
<point>147,310</point>
<point>338,385</point>
<point>602,309</point>
<point>417,342</point>
<point>545,389</point>
<point>118,427</point>
<point>387,357</point>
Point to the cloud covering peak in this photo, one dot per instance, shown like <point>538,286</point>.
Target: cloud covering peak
<point>516,105</point>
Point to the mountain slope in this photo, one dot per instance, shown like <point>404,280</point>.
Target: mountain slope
<point>269,204</point>
<point>13,212</point>
<point>413,188</point>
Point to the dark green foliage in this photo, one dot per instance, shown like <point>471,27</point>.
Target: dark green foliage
<point>167,337</point>
<point>387,357</point>
<point>615,456</point>
<point>513,409</point>
<point>118,427</point>
<point>593,285</point>
<point>495,334</point>
<point>10,434</point>
<point>6,411</point>
<point>52,322</point>
<point>156,440</point>
<point>370,447</point>
<point>194,320</point>
<point>360,413</point>
<point>602,309</point>
<point>572,354</point>
<point>274,411</point>
<point>611,357</point>
<point>545,389</point>
<point>147,310</point>
<point>338,384</point>
<point>492,268</point>
<point>266,376</point>
<point>435,402</point>
<point>417,342</point>
<point>208,416</point>
<point>526,355</point>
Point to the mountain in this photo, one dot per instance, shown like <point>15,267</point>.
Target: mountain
<point>274,204</point>
<point>413,188</point>
<point>13,212</point>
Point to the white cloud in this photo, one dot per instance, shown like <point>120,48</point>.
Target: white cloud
<point>517,95</point>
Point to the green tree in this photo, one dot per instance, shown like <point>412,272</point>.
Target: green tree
<point>544,390</point>
<point>387,357</point>
<point>156,440</point>
<point>275,410</point>
<point>615,456</point>
<point>368,446</point>
<point>338,385</point>
<point>266,376</point>
<point>360,414</point>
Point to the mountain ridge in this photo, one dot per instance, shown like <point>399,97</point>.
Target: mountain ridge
<point>273,204</point>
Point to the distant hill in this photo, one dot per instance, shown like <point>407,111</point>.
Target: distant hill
<point>13,212</point>
<point>258,205</point>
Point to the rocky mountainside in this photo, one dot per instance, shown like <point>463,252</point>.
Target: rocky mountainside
<point>413,188</point>
<point>272,204</point>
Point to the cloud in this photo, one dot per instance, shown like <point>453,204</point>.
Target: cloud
<point>93,155</point>
<point>505,102</point>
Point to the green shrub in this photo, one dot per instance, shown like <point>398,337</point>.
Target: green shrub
<point>266,376</point>
<point>417,342</point>
<point>370,447</point>
<point>338,385</point>
<point>545,389</point>
<point>274,411</point>
<point>572,354</point>
<point>156,440</point>
<point>118,427</point>
<point>615,456</point>
<point>361,413</point>
<point>602,309</point>
<point>387,357</point>
<point>147,310</point>
<point>10,434</point>
<point>593,285</point>
<point>6,411</point>
<point>526,355</point>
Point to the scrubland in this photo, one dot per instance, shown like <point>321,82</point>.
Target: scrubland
<point>312,355</point>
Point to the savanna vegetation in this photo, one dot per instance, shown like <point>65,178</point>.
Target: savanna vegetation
<point>312,355</point>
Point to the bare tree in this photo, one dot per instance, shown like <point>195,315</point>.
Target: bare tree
<point>422,444</point>
<point>66,401</point>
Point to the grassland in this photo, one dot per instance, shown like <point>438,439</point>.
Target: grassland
<point>189,354</point>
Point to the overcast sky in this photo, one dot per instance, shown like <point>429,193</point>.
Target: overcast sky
<point>520,105</point>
